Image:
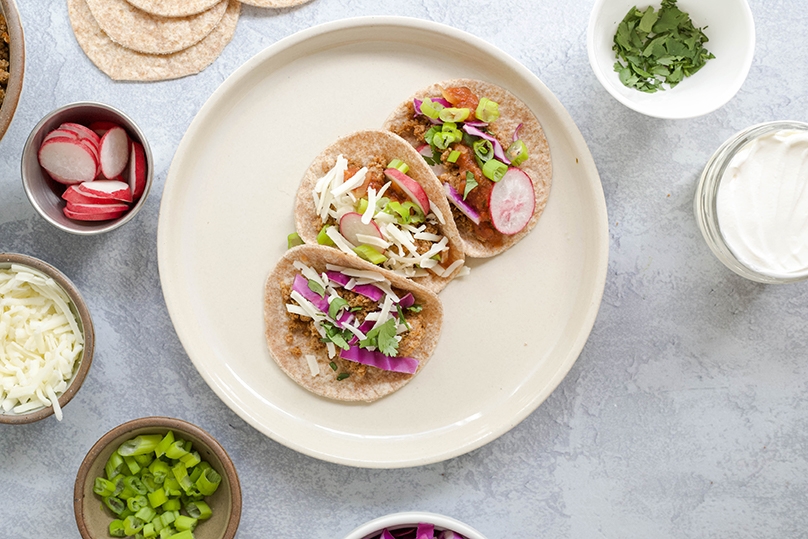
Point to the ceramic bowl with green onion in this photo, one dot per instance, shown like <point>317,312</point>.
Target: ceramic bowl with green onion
<point>154,473</point>
<point>730,32</point>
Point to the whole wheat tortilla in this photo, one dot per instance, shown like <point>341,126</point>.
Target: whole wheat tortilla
<point>289,350</point>
<point>513,112</point>
<point>360,148</point>
<point>173,8</point>
<point>277,4</point>
<point>120,63</point>
<point>143,32</point>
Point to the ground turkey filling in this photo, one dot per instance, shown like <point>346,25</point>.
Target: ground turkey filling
<point>298,325</point>
<point>4,56</point>
<point>455,173</point>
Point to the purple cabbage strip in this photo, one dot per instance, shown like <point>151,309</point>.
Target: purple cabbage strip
<point>425,531</point>
<point>339,278</point>
<point>364,327</point>
<point>498,151</point>
<point>476,123</point>
<point>376,359</point>
<point>368,290</point>
<point>455,198</point>
<point>386,535</point>
<point>301,286</point>
<point>449,534</point>
<point>407,301</point>
<point>516,132</point>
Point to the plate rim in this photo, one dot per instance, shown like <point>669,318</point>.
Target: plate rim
<point>571,130</point>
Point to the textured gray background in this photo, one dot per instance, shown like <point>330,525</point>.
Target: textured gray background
<point>683,417</point>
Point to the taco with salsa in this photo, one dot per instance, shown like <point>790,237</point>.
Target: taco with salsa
<point>371,195</point>
<point>345,329</point>
<point>489,152</point>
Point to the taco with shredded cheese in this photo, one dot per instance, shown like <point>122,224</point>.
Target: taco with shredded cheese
<point>345,329</point>
<point>371,195</point>
<point>489,152</point>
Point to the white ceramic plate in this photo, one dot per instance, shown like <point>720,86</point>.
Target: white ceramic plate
<point>513,328</point>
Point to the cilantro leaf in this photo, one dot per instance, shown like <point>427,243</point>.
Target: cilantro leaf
<point>471,183</point>
<point>336,305</point>
<point>317,288</point>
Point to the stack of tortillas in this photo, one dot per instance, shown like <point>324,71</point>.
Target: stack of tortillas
<point>149,40</point>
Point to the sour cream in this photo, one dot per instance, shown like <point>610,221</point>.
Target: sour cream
<point>762,204</point>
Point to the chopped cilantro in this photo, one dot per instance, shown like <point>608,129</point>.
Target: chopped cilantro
<point>317,288</point>
<point>471,183</point>
<point>336,305</point>
<point>333,366</point>
<point>335,335</point>
<point>658,47</point>
<point>342,376</point>
<point>417,308</point>
<point>383,338</point>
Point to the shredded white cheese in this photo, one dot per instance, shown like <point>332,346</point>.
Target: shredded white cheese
<point>40,341</point>
<point>313,366</point>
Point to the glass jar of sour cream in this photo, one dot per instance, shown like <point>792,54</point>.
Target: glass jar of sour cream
<point>752,202</point>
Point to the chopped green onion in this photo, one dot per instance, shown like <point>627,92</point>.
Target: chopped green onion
<point>116,505</point>
<point>322,237</point>
<point>160,469</point>
<point>181,474</point>
<point>209,482</point>
<point>146,513</point>
<point>132,465</point>
<point>132,525</point>
<point>135,484</point>
<point>148,481</point>
<point>183,523</point>
<point>517,153</point>
<point>400,165</point>
<point>369,253</point>
<point>199,510</point>
<point>149,531</point>
<point>452,114</point>
<point>185,534</point>
<point>191,459</point>
<point>453,156</point>
<point>443,139</point>
<point>145,443</point>
<point>483,149</point>
<point>116,528</point>
<point>114,466</point>
<point>293,240</point>
<point>172,486</point>
<point>342,376</point>
<point>487,110</point>
<point>157,498</point>
<point>144,460</point>
<point>176,450</point>
<point>494,170</point>
<point>103,487</point>
<point>136,503</point>
<point>431,109</point>
<point>164,444</point>
<point>173,504</point>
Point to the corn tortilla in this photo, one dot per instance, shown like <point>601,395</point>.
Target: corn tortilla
<point>120,63</point>
<point>141,31</point>
<point>360,148</point>
<point>513,111</point>
<point>289,349</point>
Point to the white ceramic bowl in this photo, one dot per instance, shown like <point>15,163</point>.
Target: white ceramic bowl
<point>731,32</point>
<point>409,519</point>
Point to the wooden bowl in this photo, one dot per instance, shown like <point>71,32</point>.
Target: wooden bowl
<point>16,63</point>
<point>93,518</point>
<point>85,324</point>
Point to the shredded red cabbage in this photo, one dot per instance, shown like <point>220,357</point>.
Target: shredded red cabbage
<point>455,198</point>
<point>301,286</point>
<point>516,132</point>
<point>339,278</point>
<point>411,532</point>
<point>387,535</point>
<point>376,359</point>
<point>407,301</point>
<point>425,531</point>
<point>368,290</point>
<point>499,153</point>
<point>364,327</point>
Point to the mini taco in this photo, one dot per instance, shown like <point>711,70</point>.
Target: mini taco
<point>490,155</point>
<point>343,328</point>
<point>370,194</point>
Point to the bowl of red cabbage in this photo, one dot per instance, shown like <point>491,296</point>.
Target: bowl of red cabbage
<point>415,525</point>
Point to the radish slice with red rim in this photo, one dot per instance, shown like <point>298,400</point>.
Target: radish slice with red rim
<point>512,202</point>
<point>137,169</point>
<point>114,151</point>
<point>106,189</point>
<point>67,160</point>
<point>351,225</point>
<point>411,188</point>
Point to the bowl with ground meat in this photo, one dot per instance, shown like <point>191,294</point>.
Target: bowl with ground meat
<point>12,62</point>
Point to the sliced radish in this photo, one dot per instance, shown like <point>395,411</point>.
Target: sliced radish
<point>350,225</point>
<point>96,208</point>
<point>411,187</point>
<point>80,216</point>
<point>72,194</point>
<point>101,127</point>
<point>114,151</point>
<point>137,169</point>
<point>512,202</point>
<point>426,151</point>
<point>60,133</point>
<point>67,160</point>
<point>82,132</point>
<point>106,189</point>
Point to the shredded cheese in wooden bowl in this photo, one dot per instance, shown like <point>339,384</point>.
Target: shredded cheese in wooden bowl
<point>46,340</point>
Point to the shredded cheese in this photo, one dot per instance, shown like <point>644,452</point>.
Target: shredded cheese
<point>40,341</point>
